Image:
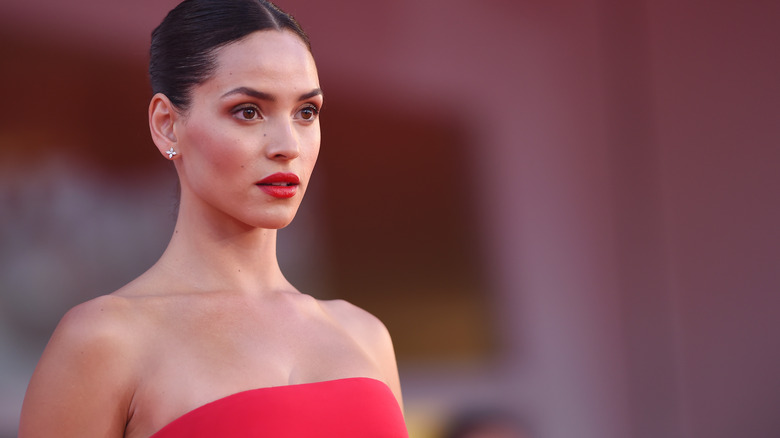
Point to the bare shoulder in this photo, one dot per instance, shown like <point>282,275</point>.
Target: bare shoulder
<point>373,337</point>
<point>362,325</point>
<point>83,383</point>
<point>107,312</point>
<point>98,326</point>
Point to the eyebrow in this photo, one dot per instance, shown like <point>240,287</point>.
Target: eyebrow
<point>261,95</point>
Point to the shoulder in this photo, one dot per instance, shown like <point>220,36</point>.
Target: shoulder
<point>95,327</point>
<point>85,372</point>
<point>102,309</point>
<point>372,335</point>
<point>365,327</point>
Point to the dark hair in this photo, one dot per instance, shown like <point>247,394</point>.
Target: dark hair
<point>183,46</point>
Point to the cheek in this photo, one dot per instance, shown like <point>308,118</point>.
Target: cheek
<point>216,149</point>
<point>313,141</point>
<point>310,153</point>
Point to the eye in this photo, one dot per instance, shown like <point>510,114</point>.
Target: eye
<point>309,113</point>
<point>246,113</point>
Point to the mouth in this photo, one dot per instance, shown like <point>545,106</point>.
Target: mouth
<point>280,185</point>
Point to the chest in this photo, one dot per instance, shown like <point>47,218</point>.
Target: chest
<point>194,358</point>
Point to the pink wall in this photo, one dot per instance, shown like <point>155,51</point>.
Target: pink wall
<point>717,99</point>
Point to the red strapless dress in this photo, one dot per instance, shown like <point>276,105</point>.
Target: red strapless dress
<point>344,408</point>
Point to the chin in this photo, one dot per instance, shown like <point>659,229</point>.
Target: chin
<point>278,226</point>
<point>273,223</point>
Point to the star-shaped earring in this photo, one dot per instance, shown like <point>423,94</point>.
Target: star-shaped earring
<point>170,153</point>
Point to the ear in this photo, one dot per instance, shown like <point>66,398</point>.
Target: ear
<point>162,121</point>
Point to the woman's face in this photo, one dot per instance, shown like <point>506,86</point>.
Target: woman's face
<point>248,143</point>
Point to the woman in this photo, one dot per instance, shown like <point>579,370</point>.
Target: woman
<point>212,340</point>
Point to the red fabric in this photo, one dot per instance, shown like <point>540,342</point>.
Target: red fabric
<point>353,407</point>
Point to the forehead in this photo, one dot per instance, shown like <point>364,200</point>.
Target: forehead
<point>268,58</point>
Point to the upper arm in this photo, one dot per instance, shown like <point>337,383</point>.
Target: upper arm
<point>81,384</point>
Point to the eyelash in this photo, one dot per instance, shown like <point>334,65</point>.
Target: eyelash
<point>315,110</point>
<point>237,112</point>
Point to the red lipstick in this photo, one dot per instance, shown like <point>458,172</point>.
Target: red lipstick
<point>280,185</point>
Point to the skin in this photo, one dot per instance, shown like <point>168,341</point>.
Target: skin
<point>214,316</point>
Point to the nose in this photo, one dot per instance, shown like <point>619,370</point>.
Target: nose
<point>282,142</point>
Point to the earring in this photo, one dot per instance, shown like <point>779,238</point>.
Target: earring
<point>171,153</point>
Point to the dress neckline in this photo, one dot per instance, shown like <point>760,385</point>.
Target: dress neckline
<point>293,386</point>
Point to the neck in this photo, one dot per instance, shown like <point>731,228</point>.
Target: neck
<point>208,253</point>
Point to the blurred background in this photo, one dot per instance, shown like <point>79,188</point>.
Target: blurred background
<point>566,212</point>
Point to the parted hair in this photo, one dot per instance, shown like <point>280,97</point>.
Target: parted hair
<point>183,48</point>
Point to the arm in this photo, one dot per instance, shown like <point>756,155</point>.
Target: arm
<point>81,386</point>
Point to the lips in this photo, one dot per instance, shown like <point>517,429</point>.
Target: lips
<point>280,185</point>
